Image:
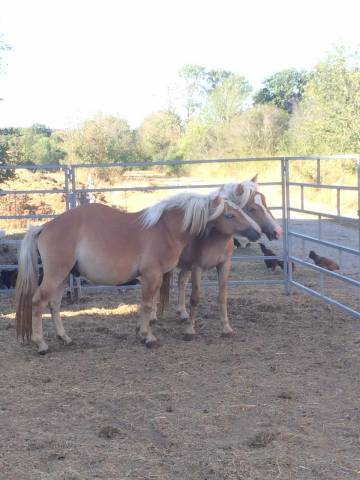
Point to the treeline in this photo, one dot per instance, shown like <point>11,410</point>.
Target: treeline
<point>215,114</point>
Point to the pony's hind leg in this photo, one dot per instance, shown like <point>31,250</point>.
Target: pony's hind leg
<point>223,275</point>
<point>54,306</point>
<point>196,273</point>
<point>153,314</point>
<point>183,279</point>
<point>40,300</point>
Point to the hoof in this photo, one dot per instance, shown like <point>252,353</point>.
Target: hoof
<point>188,337</point>
<point>152,344</point>
<point>137,330</point>
<point>153,320</point>
<point>65,340</point>
<point>228,334</point>
<point>184,316</point>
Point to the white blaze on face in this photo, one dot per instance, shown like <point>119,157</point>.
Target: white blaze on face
<point>277,228</point>
<point>253,224</point>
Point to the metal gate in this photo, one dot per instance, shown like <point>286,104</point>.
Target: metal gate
<point>71,191</point>
<point>291,234</point>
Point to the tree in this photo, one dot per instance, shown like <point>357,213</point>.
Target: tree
<point>227,100</point>
<point>104,139</point>
<point>159,135</point>
<point>197,85</point>
<point>327,119</point>
<point>197,140</point>
<point>193,78</point>
<point>284,89</point>
<point>30,146</point>
<point>261,130</point>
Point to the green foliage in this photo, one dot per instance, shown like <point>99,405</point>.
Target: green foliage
<point>197,140</point>
<point>327,119</point>
<point>198,84</point>
<point>159,135</point>
<point>261,131</point>
<point>295,112</point>
<point>35,145</point>
<point>284,89</point>
<point>103,139</point>
<point>227,100</point>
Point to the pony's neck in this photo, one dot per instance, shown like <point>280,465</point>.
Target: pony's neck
<point>173,222</point>
<point>214,234</point>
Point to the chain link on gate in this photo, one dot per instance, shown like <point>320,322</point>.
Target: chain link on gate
<point>71,192</point>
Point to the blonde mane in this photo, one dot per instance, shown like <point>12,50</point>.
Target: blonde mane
<point>196,207</point>
<point>228,191</point>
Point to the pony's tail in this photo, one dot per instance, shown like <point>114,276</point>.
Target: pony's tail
<point>26,283</point>
<point>165,292</point>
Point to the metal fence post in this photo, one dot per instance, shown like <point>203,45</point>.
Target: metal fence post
<point>285,215</point>
<point>67,188</point>
<point>73,186</point>
<point>73,290</point>
<point>318,171</point>
<point>358,185</point>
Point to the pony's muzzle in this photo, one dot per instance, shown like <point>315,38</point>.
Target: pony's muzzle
<point>251,234</point>
<point>274,234</point>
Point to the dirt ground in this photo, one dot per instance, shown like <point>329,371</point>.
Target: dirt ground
<point>278,400</point>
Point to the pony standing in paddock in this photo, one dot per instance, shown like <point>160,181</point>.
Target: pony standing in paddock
<point>108,246</point>
<point>215,248</point>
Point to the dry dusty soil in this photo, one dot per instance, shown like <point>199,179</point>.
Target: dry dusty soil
<point>278,400</point>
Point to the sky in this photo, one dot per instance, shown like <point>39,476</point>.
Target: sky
<point>71,59</point>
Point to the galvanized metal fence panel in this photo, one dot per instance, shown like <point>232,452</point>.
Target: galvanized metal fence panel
<point>71,192</point>
<point>291,234</point>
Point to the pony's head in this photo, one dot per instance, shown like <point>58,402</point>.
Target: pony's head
<point>233,220</point>
<point>253,202</point>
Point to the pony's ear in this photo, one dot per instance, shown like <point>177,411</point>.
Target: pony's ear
<point>254,179</point>
<point>216,201</point>
<point>239,190</point>
<point>217,207</point>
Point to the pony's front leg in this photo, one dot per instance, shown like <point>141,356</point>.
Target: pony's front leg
<point>194,301</point>
<point>150,288</point>
<point>223,275</point>
<point>183,279</point>
<point>153,314</point>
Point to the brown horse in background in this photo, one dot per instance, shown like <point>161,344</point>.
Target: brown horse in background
<point>215,249</point>
<point>108,246</point>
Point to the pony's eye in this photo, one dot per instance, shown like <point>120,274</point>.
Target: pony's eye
<point>229,215</point>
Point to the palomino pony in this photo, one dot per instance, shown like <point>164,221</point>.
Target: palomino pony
<point>108,246</point>
<point>215,250</point>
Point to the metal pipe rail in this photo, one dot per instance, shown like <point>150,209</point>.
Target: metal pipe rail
<point>325,298</point>
<point>324,242</point>
<point>161,187</point>
<point>322,185</point>
<point>33,216</point>
<point>323,214</point>
<point>25,192</point>
<point>337,276</point>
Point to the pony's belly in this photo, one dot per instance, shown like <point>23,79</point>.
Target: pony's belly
<point>105,270</point>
